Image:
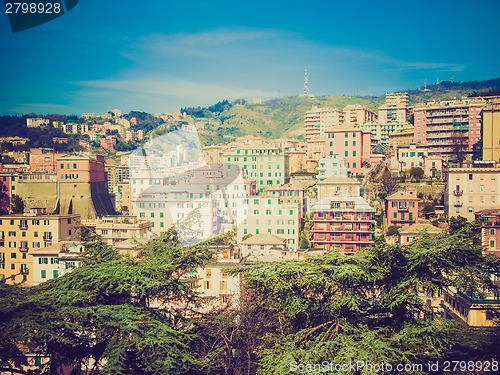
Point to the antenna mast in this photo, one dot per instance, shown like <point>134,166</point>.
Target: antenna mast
<point>306,89</point>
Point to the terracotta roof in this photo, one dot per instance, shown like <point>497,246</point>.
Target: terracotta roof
<point>415,228</point>
<point>339,179</point>
<point>263,239</point>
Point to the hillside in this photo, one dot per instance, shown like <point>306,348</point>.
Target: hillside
<point>284,117</point>
<point>276,118</point>
<point>450,90</point>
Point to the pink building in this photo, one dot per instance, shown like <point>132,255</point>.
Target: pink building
<point>43,159</point>
<point>402,208</point>
<point>108,143</point>
<point>354,145</point>
<point>490,232</point>
<point>342,223</point>
<point>394,110</point>
<point>443,125</point>
<point>80,168</point>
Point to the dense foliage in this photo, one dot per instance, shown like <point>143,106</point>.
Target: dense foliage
<point>104,316</point>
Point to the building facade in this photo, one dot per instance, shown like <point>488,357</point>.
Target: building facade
<point>22,234</point>
<point>470,187</point>
<point>342,223</point>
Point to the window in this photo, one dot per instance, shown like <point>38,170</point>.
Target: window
<point>492,231</point>
<point>43,274</point>
<point>347,143</point>
<point>347,153</point>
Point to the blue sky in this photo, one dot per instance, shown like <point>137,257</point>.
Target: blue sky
<point>158,56</point>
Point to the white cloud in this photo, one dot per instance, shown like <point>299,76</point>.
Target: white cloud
<point>195,44</point>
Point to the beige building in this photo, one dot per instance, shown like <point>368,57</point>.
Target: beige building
<point>337,185</point>
<point>412,155</point>
<point>272,215</point>
<point>116,229</point>
<point>474,186</point>
<point>22,234</point>
<point>56,260</point>
<point>402,136</point>
<point>474,309</point>
<point>355,114</point>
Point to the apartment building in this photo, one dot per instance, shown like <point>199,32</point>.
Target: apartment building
<point>191,209</point>
<point>342,223</point>
<point>470,187</point>
<point>119,228</point>
<point>338,185</point>
<point>292,192</point>
<point>317,121</point>
<point>449,126</point>
<point>402,208</point>
<point>382,132</point>
<point>331,166</point>
<point>356,114</point>
<point>490,231</point>
<point>354,145</point>
<point>264,164</point>
<point>474,309</point>
<point>395,108</point>
<point>22,234</point>
<point>271,215</point>
<point>491,131</point>
<point>56,260</point>
<point>402,136</point>
<point>412,155</point>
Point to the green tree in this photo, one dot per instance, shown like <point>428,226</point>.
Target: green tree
<point>304,241</point>
<point>113,315</point>
<point>417,173</point>
<point>17,205</point>
<point>366,307</point>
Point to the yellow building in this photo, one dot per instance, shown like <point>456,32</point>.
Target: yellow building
<point>476,310</point>
<point>491,131</point>
<point>21,234</point>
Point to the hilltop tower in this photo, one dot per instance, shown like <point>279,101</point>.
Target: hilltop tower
<point>306,87</point>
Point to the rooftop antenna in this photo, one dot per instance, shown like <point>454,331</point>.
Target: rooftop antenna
<point>452,78</point>
<point>306,89</point>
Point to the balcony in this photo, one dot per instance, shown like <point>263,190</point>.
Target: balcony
<point>23,249</point>
<point>458,205</point>
<point>458,193</point>
<point>23,226</point>
<point>47,237</point>
<point>25,271</point>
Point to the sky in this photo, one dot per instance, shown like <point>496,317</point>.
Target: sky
<point>158,56</point>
